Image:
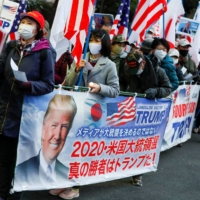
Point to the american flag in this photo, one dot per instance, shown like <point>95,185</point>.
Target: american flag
<point>21,9</point>
<point>13,9</point>
<point>120,24</point>
<point>77,24</point>
<point>147,12</point>
<point>120,113</point>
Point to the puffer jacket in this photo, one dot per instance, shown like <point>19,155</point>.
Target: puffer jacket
<point>168,65</point>
<point>40,74</point>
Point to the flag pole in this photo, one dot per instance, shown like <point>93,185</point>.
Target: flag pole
<point>1,7</point>
<point>163,15</point>
<point>86,44</point>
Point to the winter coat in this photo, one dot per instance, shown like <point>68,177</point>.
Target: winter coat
<point>179,74</point>
<point>168,65</point>
<point>189,65</point>
<point>104,73</point>
<point>40,74</point>
<point>119,62</point>
<point>150,78</point>
<point>61,66</point>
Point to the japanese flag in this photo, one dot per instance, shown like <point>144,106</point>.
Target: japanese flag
<point>95,113</point>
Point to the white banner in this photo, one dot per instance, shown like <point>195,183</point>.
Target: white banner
<point>181,117</point>
<point>76,138</point>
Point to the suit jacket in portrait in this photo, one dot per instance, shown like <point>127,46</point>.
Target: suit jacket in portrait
<point>27,174</point>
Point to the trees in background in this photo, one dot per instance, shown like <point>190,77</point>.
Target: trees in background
<point>48,9</point>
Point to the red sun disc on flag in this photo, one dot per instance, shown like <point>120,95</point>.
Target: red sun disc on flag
<point>96,112</point>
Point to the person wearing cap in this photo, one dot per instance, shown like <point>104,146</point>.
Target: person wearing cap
<point>174,55</point>
<point>118,55</point>
<point>146,46</point>
<point>186,63</point>
<point>46,35</point>
<point>160,48</point>
<point>151,33</point>
<point>134,46</point>
<point>142,77</point>
<point>33,56</point>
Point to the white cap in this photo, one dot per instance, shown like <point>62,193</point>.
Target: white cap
<point>152,29</point>
<point>184,42</point>
<point>173,52</point>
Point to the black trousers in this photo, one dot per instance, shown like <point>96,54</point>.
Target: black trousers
<point>8,155</point>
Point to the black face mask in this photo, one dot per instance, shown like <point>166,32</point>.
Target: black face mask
<point>183,52</point>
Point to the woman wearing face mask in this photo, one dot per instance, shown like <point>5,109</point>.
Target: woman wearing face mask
<point>99,71</point>
<point>33,56</point>
<point>160,48</point>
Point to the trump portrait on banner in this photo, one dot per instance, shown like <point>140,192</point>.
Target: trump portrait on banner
<point>45,169</point>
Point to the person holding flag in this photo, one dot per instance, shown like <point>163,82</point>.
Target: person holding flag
<point>99,72</point>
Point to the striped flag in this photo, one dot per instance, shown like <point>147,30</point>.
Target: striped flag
<point>120,24</point>
<point>77,24</point>
<point>147,12</point>
<point>174,11</point>
<point>13,33</point>
<point>120,113</point>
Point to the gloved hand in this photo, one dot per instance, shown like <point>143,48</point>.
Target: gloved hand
<point>151,93</point>
<point>26,86</point>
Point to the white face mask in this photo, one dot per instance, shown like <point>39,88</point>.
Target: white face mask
<point>160,54</point>
<point>175,60</point>
<point>148,36</point>
<point>26,31</point>
<point>94,48</point>
<point>139,71</point>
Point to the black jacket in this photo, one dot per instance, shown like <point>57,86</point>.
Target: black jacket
<point>40,74</point>
<point>151,77</point>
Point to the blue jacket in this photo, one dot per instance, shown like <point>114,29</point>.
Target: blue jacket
<point>40,74</point>
<point>168,65</point>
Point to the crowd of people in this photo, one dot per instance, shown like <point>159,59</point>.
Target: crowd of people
<point>151,68</point>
